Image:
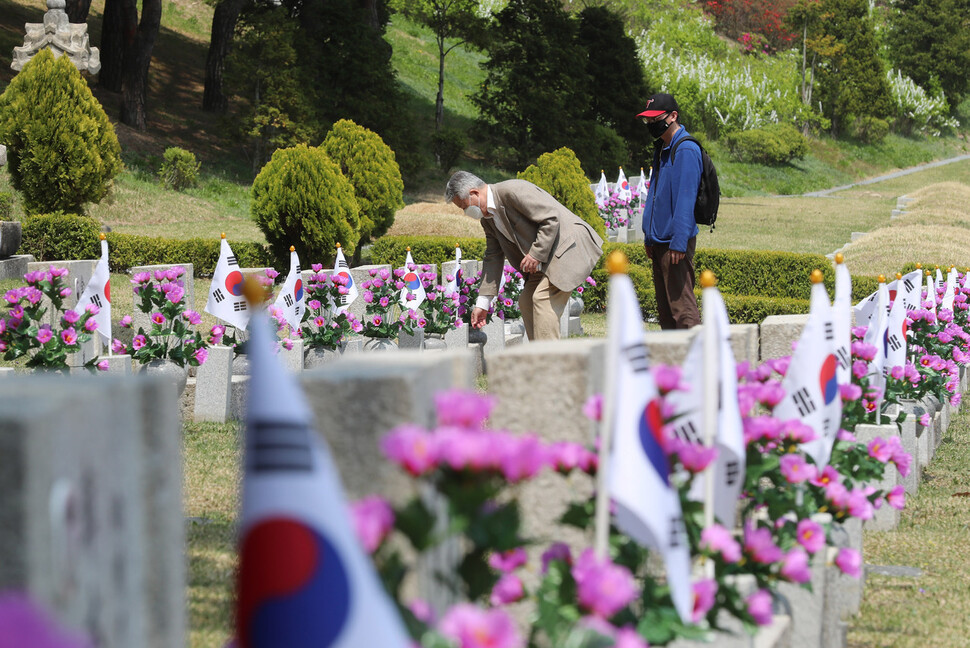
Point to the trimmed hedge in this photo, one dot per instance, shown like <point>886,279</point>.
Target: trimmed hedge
<point>66,237</point>
<point>769,274</point>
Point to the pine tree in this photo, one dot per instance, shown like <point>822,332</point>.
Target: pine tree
<point>929,41</point>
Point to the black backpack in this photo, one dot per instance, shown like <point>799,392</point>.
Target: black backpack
<point>708,191</point>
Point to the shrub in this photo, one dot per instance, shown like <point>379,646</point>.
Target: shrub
<point>62,150</point>
<point>448,145</point>
<point>179,170</point>
<point>6,205</point>
<point>764,273</point>
<point>869,129</point>
<point>772,144</point>
<point>301,198</point>
<point>58,236</point>
<point>561,175</point>
<point>425,249</point>
<point>369,164</point>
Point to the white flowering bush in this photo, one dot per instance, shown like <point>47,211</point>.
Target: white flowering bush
<point>916,110</point>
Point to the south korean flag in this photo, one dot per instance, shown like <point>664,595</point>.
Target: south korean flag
<point>910,289</point>
<point>226,300</point>
<point>98,293</point>
<point>454,285</point>
<point>811,384</point>
<point>341,269</point>
<point>413,286</point>
<point>292,298</point>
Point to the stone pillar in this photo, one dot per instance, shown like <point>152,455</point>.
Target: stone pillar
<point>213,385</point>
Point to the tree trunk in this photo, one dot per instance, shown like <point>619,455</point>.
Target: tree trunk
<point>439,102</point>
<point>223,25</point>
<point>115,34</point>
<point>77,10</point>
<point>370,6</point>
<point>138,58</point>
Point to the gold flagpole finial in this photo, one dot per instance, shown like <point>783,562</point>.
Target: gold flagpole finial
<point>617,263</point>
<point>409,248</point>
<point>839,258</point>
<point>292,249</point>
<point>338,246</point>
<point>816,276</point>
<point>101,236</point>
<point>882,278</point>
<point>899,275</point>
<point>919,266</point>
<point>223,235</point>
<point>708,280</point>
<point>254,292</point>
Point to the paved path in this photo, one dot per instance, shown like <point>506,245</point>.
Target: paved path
<point>888,176</point>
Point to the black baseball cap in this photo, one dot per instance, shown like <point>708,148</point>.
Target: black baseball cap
<point>660,104</point>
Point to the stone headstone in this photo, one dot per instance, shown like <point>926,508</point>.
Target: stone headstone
<point>745,343</point>
<point>494,336</point>
<point>79,274</point>
<point>909,435</point>
<point>292,358</point>
<point>213,386</point>
<point>807,606</point>
<point>778,332</point>
<point>119,365</point>
<point>140,319</point>
<point>885,518</point>
<point>413,341</point>
<point>3,155</point>
<point>669,347</point>
<point>10,238</point>
<point>14,267</point>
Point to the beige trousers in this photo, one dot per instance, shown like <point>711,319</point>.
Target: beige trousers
<point>542,305</point>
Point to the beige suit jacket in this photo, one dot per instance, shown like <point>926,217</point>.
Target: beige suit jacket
<point>566,247</point>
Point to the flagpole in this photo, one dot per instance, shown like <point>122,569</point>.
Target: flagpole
<point>616,263</point>
<point>711,398</point>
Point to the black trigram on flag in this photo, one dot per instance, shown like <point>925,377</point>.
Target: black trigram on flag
<point>344,300</point>
<point>96,300</point>
<point>731,472</point>
<point>298,311</point>
<point>288,300</point>
<point>677,532</point>
<point>909,285</point>
<point>803,401</point>
<point>843,356</point>
<point>342,263</point>
<point>688,432</point>
<point>239,306</point>
<point>894,342</point>
<point>829,332</point>
<point>280,446</point>
<point>218,295</point>
<point>231,260</point>
<point>636,355</point>
<point>298,268</point>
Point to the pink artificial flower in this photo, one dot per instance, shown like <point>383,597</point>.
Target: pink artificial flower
<point>849,561</point>
<point>412,448</point>
<point>759,607</point>
<point>779,365</point>
<point>925,420</point>
<point>91,325</point>
<point>192,317</point>
<point>896,498</point>
<point>566,456</point>
<point>770,393</point>
<point>795,469</point>
<point>629,638</point>
<point>858,504</point>
<point>837,494</point>
<point>508,589</point>
<point>103,365</point>
<point>694,456</point>
<point>602,587</point>
<point>717,539</point>
<point>879,449</point>
<point>845,435</point>
<point>759,544</point>
<point>797,432</point>
<point>523,457</point>
<point>828,474</point>
<point>118,347</point>
<point>422,611</point>
<point>125,321</point>
<point>667,378</point>
<point>472,627</point>
<point>810,535</point>
<point>704,593</point>
<point>850,392</point>
<point>201,355</point>
<point>860,369</point>
<point>373,520</point>
<point>593,407</point>
<point>25,623</point>
<point>863,351</point>
<point>467,409</point>
<point>508,561</point>
<point>69,336</point>
<point>377,320</point>
<point>44,335</point>
<point>384,301</point>
<point>138,342</point>
<point>158,318</point>
<point>175,295</point>
<point>71,317</point>
<point>141,278</point>
<point>795,567</point>
<point>557,551</point>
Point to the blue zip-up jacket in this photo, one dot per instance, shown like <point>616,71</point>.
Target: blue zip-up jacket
<point>668,215</point>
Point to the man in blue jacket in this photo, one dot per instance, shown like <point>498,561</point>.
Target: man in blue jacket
<point>670,232</point>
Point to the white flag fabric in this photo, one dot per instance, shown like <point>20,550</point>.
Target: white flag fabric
<point>292,297</point>
<point>304,579</point>
<point>842,322</point>
<point>911,290</point>
<point>412,285</point>
<point>937,280</point>
<point>647,506</point>
<point>623,190</point>
<point>642,186</point>
<point>730,464</point>
<point>341,268</point>
<point>811,384</point>
<point>950,292</point>
<point>602,191</point>
<point>865,309</point>
<point>876,336</point>
<point>894,346</point>
<point>966,280</point>
<point>226,300</point>
<point>98,292</point>
<point>455,284</point>
<point>930,293</point>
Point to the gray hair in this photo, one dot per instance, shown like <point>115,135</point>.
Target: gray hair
<point>460,184</point>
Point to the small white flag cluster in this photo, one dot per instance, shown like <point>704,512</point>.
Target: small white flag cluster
<point>413,286</point>
<point>602,191</point>
<point>623,191</point>
<point>226,300</point>
<point>98,293</point>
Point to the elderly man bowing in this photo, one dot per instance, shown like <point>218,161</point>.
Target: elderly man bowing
<point>553,248</point>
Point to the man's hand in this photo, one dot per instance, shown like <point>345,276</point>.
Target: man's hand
<point>478,317</point>
<point>529,264</point>
<point>676,257</point>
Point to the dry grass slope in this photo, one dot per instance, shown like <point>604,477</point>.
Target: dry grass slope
<point>434,219</point>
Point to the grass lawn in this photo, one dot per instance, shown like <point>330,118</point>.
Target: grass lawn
<point>932,610</point>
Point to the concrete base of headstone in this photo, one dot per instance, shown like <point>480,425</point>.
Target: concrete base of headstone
<point>669,347</point>
<point>140,319</point>
<point>569,325</point>
<point>622,235</point>
<point>776,635</point>
<point>778,332</point>
<point>292,358</point>
<point>413,341</point>
<point>457,338</point>
<point>938,431</point>
<point>494,336</point>
<point>14,267</point>
<point>213,386</point>
<point>7,372</point>
<point>885,518</point>
<point>745,343</point>
<point>807,607</point>
<point>910,440</point>
<point>477,351</point>
<point>10,238</point>
<point>514,340</point>
<point>119,365</point>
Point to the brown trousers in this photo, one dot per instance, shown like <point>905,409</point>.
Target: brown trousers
<point>542,305</point>
<point>674,283</point>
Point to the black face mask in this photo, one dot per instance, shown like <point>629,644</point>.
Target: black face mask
<point>658,128</point>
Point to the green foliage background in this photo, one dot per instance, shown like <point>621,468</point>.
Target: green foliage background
<point>560,173</point>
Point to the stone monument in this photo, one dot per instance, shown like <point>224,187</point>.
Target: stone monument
<point>62,37</point>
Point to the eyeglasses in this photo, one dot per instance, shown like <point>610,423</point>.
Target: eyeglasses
<point>650,120</point>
